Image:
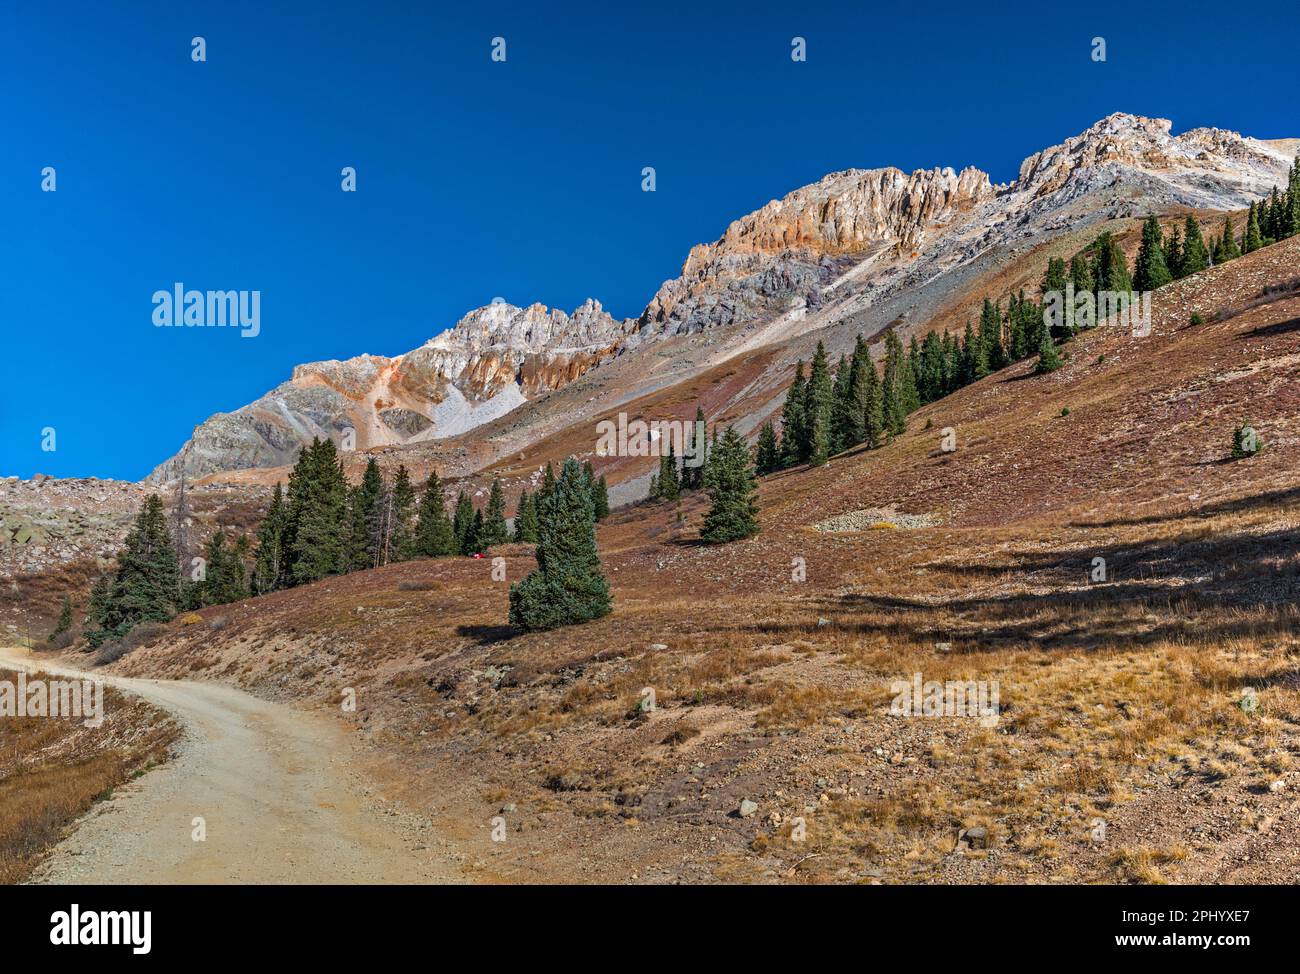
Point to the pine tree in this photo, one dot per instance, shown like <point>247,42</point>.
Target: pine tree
<point>400,505</point>
<point>525,519</point>
<point>793,421</point>
<point>817,409</point>
<point>1151,271</point>
<point>600,494</point>
<point>1174,253</point>
<point>462,524</point>
<point>931,379</point>
<point>1055,279</point>
<point>434,536</point>
<point>97,605</point>
<point>568,586</point>
<point>269,568</point>
<point>992,353</point>
<point>892,394</point>
<point>873,410</point>
<point>365,519</point>
<point>767,457</point>
<point>318,499</point>
<point>693,454</point>
<point>1109,266</point>
<point>1195,257</point>
<point>495,530</point>
<point>145,586</point>
<point>731,488</point>
<point>1227,244</point>
<point>668,482</point>
<point>64,622</point>
<point>1253,239</point>
<point>474,537</point>
<point>841,408</point>
<point>226,574</point>
<point>1048,358</point>
<point>1081,276</point>
<point>548,485</point>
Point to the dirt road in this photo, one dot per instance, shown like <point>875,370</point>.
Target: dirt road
<point>279,799</point>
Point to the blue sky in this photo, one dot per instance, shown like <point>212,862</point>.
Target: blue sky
<point>477,178</point>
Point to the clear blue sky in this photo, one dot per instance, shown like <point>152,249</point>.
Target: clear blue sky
<point>478,179</point>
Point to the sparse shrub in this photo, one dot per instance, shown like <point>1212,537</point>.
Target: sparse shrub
<point>1197,319</point>
<point>193,619</point>
<point>1065,410</point>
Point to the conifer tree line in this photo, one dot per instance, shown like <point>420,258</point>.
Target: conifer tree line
<point>678,474</point>
<point>828,411</point>
<point>320,526</point>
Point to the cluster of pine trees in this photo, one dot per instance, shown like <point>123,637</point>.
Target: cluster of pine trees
<point>675,476</point>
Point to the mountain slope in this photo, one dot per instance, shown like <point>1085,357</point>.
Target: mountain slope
<point>862,248</point>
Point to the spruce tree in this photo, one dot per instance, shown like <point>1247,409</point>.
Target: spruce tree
<point>818,400</point>
<point>318,504</point>
<point>365,519</point>
<point>668,482</point>
<point>693,454</point>
<point>1253,239</point>
<point>434,536</point>
<point>1151,271</point>
<point>548,484</point>
<point>873,410</point>
<point>474,537</point>
<point>568,586</point>
<point>269,568</point>
<point>525,519</point>
<point>855,417</point>
<point>462,524</point>
<point>992,354</point>
<point>1195,257</point>
<point>841,408</point>
<point>793,421</point>
<point>1174,253</point>
<point>767,457</point>
<point>1055,279</point>
<point>1048,358</point>
<point>893,406</point>
<point>495,530</point>
<point>145,586</point>
<point>400,506</point>
<point>600,493</point>
<point>64,622</point>
<point>731,488</point>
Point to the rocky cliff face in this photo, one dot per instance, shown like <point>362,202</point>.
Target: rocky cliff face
<point>494,359</point>
<point>839,249</point>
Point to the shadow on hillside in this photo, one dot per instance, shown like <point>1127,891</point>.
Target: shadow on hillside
<point>1267,331</point>
<point>1239,505</point>
<point>488,635</point>
<point>1179,588</point>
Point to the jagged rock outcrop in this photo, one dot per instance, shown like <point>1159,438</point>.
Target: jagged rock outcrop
<point>494,359</point>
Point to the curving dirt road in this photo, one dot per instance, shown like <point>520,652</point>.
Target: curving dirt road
<point>279,799</point>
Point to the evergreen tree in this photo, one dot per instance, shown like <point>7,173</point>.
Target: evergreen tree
<point>269,568</point>
<point>365,519</point>
<point>226,574</point>
<point>1253,239</point>
<point>668,483</point>
<point>434,535</point>
<point>474,537</point>
<point>734,513</point>
<point>992,354</point>
<point>64,622</point>
<point>767,457</point>
<point>568,586</point>
<point>893,406</point>
<point>1081,275</point>
<point>931,380</point>
<point>318,504</point>
<point>525,519</point>
<point>600,495</point>
<point>1109,266</point>
<point>97,605</point>
<point>793,421</point>
<point>1151,271</point>
<point>145,586</point>
<point>854,430</point>
<point>1048,358</point>
<point>1195,257</point>
<point>817,409</point>
<point>693,455</point>
<point>462,524</point>
<point>841,408</point>
<point>399,508</point>
<point>1174,253</point>
<point>1225,247</point>
<point>495,531</point>
<point>1055,279</point>
<point>548,485</point>
<point>873,410</point>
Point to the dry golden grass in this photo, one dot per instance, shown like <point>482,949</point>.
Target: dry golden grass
<point>53,770</point>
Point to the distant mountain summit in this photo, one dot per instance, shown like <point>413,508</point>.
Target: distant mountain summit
<point>853,244</point>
